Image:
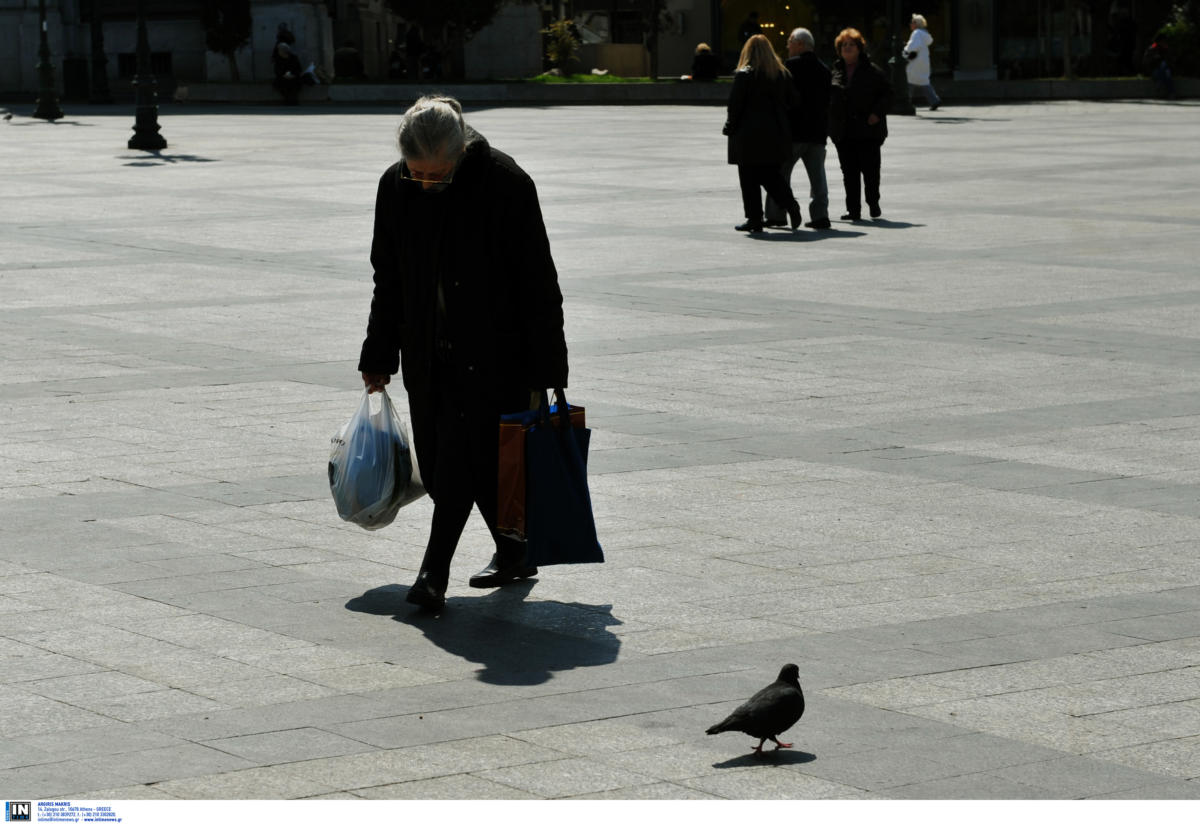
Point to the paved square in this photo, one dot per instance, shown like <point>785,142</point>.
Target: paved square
<point>948,462</point>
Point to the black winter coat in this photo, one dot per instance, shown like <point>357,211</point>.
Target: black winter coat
<point>757,122</point>
<point>484,238</point>
<point>809,119</point>
<point>852,102</point>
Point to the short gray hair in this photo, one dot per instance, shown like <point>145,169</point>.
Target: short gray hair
<point>919,19</point>
<point>432,128</point>
<point>803,37</point>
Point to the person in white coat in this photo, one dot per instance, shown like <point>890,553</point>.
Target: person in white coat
<point>917,52</point>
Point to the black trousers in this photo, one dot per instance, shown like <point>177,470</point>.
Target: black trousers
<point>859,159</point>
<point>768,176</point>
<point>466,431</point>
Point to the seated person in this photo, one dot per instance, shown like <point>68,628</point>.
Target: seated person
<point>348,63</point>
<point>705,65</point>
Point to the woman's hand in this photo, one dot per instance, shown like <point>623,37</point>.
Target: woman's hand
<point>375,381</point>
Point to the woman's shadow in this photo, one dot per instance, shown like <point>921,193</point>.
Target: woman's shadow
<point>517,643</point>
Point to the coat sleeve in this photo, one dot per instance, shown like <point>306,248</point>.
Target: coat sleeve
<point>538,295</point>
<point>737,102</point>
<point>835,108</point>
<point>385,326</point>
<point>881,102</point>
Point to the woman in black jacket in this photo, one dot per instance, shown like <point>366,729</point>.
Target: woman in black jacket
<point>861,96</point>
<point>760,139</point>
<point>467,307</point>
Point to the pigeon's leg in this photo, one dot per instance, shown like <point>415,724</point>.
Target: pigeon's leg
<point>758,749</point>
<point>778,744</point>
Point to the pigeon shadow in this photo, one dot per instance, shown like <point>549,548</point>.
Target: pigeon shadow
<point>517,643</point>
<point>773,758</point>
<point>161,159</point>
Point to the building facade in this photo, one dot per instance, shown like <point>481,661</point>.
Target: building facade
<point>973,39</point>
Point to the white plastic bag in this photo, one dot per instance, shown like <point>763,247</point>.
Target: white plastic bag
<point>372,470</point>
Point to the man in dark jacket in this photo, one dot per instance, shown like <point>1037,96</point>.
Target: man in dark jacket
<point>467,307</point>
<point>810,125</point>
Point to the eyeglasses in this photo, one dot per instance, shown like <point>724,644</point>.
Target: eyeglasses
<point>436,183</point>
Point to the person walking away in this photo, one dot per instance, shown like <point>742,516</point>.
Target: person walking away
<point>916,50</point>
<point>1160,69</point>
<point>810,125</point>
<point>760,139</point>
<point>467,307</point>
<point>859,100</point>
<point>414,50</point>
<point>287,73</point>
<point>750,27</point>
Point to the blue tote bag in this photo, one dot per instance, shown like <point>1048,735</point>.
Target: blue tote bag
<point>560,527</point>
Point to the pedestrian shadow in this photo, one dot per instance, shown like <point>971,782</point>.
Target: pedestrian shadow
<point>769,758</point>
<point>161,159</point>
<point>518,643</point>
<point>884,223</point>
<point>33,121</point>
<point>1156,101</point>
<point>803,236</point>
<point>949,120</point>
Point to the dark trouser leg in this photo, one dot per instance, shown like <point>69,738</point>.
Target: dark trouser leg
<point>751,198</point>
<point>775,209</point>
<point>467,438</point>
<point>452,483</point>
<point>870,159</point>
<point>813,155</point>
<point>848,159</point>
<point>771,178</point>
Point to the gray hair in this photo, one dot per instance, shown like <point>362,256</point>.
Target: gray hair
<point>919,19</point>
<point>803,37</point>
<point>432,129</point>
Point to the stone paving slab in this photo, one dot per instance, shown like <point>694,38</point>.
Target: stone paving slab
<point>946,461</point>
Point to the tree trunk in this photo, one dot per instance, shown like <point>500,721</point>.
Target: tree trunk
<point>652,24</point>
<point>234,75</point>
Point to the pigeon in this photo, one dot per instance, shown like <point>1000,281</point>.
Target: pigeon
<point>769,712</point>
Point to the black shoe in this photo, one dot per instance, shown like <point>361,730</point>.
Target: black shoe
<point>823,223</point>
<point>934,107</point>
<point>852,216</point>
<point>794,215</point>
<point>773,222</point>
<point>875,210</point>
<point>749,226</point>
<point>498,573</point>
<point>426,592</point>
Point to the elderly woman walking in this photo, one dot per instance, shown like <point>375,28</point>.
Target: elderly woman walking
<point>861,97</point>
<point>760,139</point>
<point>916,50</point>
<point>467,307</point>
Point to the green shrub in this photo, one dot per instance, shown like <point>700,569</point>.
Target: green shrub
<point>1182,36</point>
<point>561,43</point>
